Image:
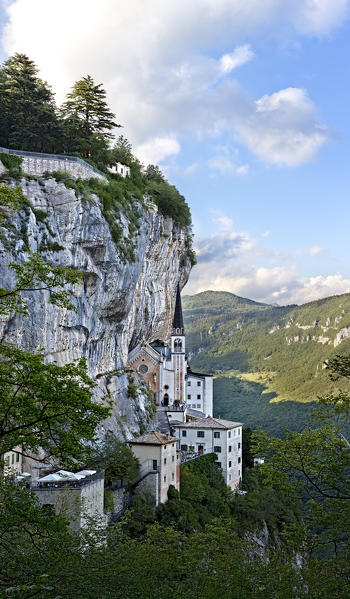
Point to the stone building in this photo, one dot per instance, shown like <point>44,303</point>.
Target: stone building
<point>200,436</point>
<point>159,464</point>
<point>13,461</point>
<point>79,496</point>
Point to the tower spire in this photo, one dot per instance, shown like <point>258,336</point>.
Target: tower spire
<point>178,323</point>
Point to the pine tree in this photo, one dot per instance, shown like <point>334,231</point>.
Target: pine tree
<point>86,105</point>
<point>28,119</point>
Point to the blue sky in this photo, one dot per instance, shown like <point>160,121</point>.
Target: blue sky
<point>245,107</point>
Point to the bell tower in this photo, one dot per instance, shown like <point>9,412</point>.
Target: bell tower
<point>178,357</point>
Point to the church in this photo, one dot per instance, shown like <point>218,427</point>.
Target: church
<point>184,402</point>
<point>166,370</point>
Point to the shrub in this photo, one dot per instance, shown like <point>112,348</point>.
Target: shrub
<point>11,162</point>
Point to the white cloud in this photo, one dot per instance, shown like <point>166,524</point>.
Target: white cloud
<point>161,82</point>
<point>224,221</point>
<point>156,149</point>
<point>238,57</point>
<point>283,129</point>
<point>312,251</point>
<point>233,261</point>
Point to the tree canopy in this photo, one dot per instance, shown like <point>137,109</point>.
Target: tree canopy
<point>86,107</point>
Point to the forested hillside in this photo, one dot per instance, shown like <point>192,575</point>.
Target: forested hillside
<point>268,361</point>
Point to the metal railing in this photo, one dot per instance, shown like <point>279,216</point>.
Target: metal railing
<point>64,157</point>
<point>186,456</point>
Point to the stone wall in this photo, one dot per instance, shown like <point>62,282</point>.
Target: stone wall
<point>38,164</point>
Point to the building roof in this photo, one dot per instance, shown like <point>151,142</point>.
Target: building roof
<point>207,423</point>
<point>195,413</point>
<point>178,322</point>
<point>199,375</point>
<point>153,438</point>
<point>63,475</point>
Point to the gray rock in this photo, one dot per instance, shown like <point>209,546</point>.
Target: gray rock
<point>118,305</point>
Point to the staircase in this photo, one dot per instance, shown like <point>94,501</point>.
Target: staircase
<point>163,421</point>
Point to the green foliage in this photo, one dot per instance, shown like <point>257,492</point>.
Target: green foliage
<point>316,463</point>
<point>46,406</point>
<point>11,198</point>
<point>153,173</point>
<point>36,275</point>
<point>116,458</point>
<point>28,119</point>
<point>268,360</point>
<point>170,202</point>
<point>203,496</point>
<point>87,108</point>
<point>122,151</point>
<point>11,162</point>
<point>132,387</point>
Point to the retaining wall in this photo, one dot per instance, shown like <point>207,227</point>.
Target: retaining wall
<point>37,164</point>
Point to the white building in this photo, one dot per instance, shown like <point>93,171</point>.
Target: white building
<point>120,169</point>
<point>167,372</point>
<point>159,464</point>
<point>213,435</point>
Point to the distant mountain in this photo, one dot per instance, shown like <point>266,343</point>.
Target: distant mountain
<point>268,361</point>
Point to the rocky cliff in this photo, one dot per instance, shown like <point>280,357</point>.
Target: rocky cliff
<point>118,304</point>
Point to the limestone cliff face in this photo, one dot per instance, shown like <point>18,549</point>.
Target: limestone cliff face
<point>118,305</point>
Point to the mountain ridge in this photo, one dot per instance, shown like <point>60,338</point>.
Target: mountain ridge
<point>266,355</point>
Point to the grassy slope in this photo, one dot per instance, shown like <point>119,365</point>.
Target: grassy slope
<point>263,377</point>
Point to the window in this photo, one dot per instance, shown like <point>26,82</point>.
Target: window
<point>230,464</point>
<point>239,460</point>
<point>164,460</point>
<point>183,447</point>
<point>217,449</point>
<point>198,383</point>
<point>13,459</point>
<point>198,396</point>
<point>155,465</point>
<point>234,432</point>
<point>198,405</point>
<point>216,435</point>
<point>229,477</point>
<point>143,369</point>
<point>173,458</point>
<point>200,433</point>
<point>189,396</point>
<point>177,345</point>
<point>17,457</point>
<point>173,476</point>
<point>166,387</point>
<point>239,473</point>
<point>229,448</point>
<point>184,433</point>
<point>239,446</point>
<point>189,383</point>
<point>229,434</point>
<point>173,445</point>
<point>165,479</point>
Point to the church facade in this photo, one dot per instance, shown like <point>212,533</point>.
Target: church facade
<point>166,370</point>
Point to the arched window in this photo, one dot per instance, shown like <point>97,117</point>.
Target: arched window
<point>177,345</point>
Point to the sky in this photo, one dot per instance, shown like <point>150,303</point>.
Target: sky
<point>244,104</point>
